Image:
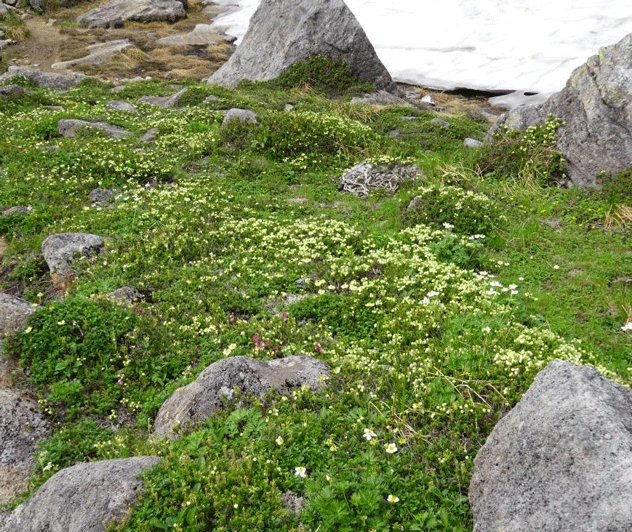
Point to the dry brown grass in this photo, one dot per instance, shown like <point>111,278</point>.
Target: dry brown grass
<point>618,217</point>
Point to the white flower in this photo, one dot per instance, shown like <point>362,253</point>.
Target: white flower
<point>392,499</point>
<point>556,267</point>
<point>487,330</point>
<point>390,448</point>
<point>28,330</point>
<point>279,440</point>
<point>432,293</point>
<point>447,225</point>
<point>369,434</point>
<point>627,326</point>
<point>300,471</point>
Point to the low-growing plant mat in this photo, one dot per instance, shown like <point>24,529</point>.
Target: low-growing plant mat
<point>435,305</point>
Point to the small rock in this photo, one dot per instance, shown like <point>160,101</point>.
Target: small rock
<point>120,105</point>
<point>149,135</point>
<point>69,127</point>
<point>196,401</point>
<point>18,209</point>
<point>13,314</point>
<point>428,99</point>
<point>165,101</point>
<point>125,295</point>
<point>381,98</point>
<point>243,115</point>
<point>211,98</point>
<point>440,122</point>
<point>292,502</point>
<point>472,143</point>
<point>100,196</point>
<point>60,250</point>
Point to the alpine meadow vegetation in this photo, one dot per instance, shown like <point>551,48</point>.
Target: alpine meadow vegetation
<point>434,306</point>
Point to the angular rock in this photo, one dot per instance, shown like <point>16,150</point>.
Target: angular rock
<point>560,460</point>
<point>596,105</point>
<point>60,250</point>
<point>5,42</point>
<point>243,115</point>
<point>22,426</point>
<point>12,90</point>
<point>149,135</point>
<point>196,401</point>
<point>38,5</point>
<point>115,13</point>
<point>68,128</point>
<point>101,196</point>
<point>472,143</point>
<point>97,54</point>
<point>165,101</point>
<point>3,10</point>
<point>282,32</point>
<point>13,313</point>
<point>46,80</point>
<point>121,106</point>
<point>81,498</point>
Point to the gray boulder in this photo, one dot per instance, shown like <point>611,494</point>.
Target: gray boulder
<point>243,115</point>
<point>97,54</point>
<point>69,127</point>
<point>201,35</point>
<point>81,498</point>
<point>382,98</point>
<point>282,32</point>
<point>115,13</point>
<point>165,101</point>
<point>46,80</point>
<point>22,426</point>
<point>196,401</point>
<point>120,105</point>
<point>12,89</point>
<point>60,250</point>
<point>560,460</point>
<point>13,313</point>
<point>596,105</point>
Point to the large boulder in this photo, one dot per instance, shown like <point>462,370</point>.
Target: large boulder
<point>47,80</point>
<point>81,498</point>
<point>198,400</point>
<point>596,106</point>
<point>282,32</point>
<point>560,460</point>
<point>115,13</point>
<point>22,426</point>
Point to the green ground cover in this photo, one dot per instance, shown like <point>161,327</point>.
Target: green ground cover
<point>435,320</point>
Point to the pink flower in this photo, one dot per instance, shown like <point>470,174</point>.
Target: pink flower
<point>120,382</point>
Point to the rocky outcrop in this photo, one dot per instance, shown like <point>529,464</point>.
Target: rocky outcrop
<point>22,426</point>
<point>196,401</point>
<point>97,54</point>
<point>282,32</point>
<point>115,13</point>
<point>60,250</point>
<point>120,105</point>
<point>559,461</point>
<point>596,106</point>
<point>82,498</point>
<point>69,127</point>
<point>47,80</point>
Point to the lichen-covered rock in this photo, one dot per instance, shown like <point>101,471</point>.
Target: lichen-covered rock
<point>61,249</point>
<point>596,106</point>
<point>560,460</point>
<point>13,313</point>
<point>196,401</point>
<point>243,115</point>
<point>282,32</point>
<point>22,426</point>
<point>115,13</point>
<point>364,178</point>
<point>81,498</point>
